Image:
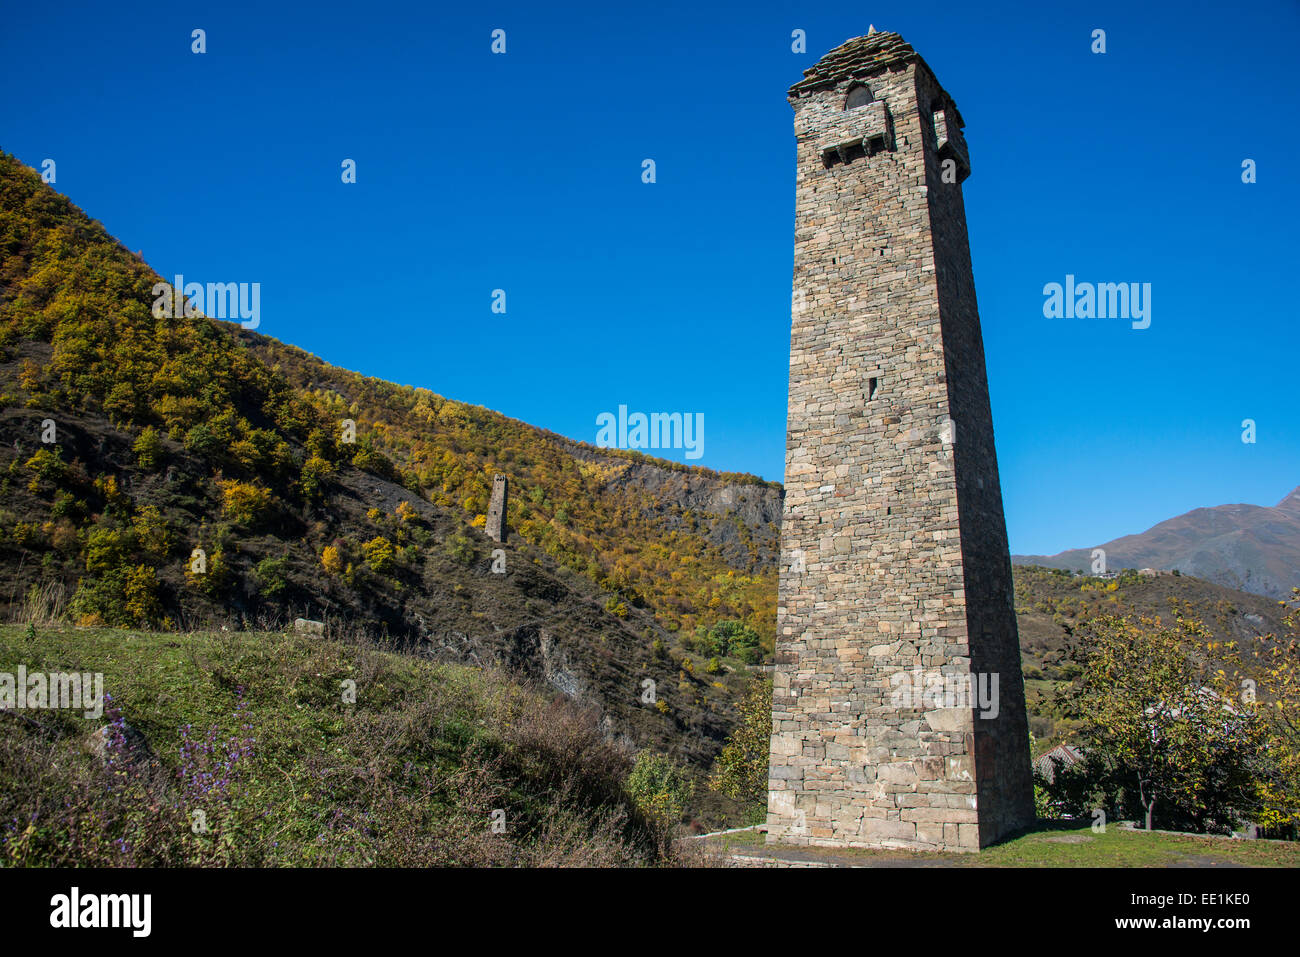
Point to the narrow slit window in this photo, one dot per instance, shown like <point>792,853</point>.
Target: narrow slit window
<point>871,388</point>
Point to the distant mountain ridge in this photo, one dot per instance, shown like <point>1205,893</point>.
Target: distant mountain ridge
<point>1253,548</point>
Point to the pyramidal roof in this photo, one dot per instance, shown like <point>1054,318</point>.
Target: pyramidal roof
<point>857,57</point>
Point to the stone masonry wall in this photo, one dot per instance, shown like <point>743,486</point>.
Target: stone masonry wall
<point>496,513</point>
<point>894,552</point>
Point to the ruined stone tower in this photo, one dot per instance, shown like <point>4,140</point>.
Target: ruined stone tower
<point>898,713</point>
<point>496,513</point>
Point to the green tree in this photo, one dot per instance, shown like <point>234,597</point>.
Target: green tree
<point>272,575</point>
<point>732,639</point>
<point>379,554</point>
<point>1149,714</point>
<point>740,770</point>
<point>148,449</point>
<point>1266,682</point>
<point>659,787</point>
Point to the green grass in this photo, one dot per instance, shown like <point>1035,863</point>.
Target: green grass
<point>409,774</point>
<point>1056,844</point>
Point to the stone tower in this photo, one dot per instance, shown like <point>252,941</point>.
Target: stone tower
<point>496,513</point>
<point>898,712</point>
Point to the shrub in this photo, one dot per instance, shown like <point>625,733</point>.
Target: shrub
<point>461,548</point>
<point>48,470</point>
<point>659,787</point>
<point>140,595</point>
<point>152,532</point>
<point>244,502</point>
<point>122,596</point>
<point>379,555</point>
<point>272,575</point>
<point>148,449</point>
<point>106,549</point>
<point>731,639</point>
<point>203,441</point>
<point>311,481</point>
<point>331,560</point>
<point>740,770</point>
<point>216,575</point>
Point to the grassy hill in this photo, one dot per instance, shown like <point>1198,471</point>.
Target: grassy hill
<point>242,749</point>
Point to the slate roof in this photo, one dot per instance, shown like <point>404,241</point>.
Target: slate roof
<point>861,56</point>
<point>858,57</point>
<point>1063,755</point>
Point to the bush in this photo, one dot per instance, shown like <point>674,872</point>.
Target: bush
<point>311,481</point>
<point>740,770</point>
<point>659,787</point>
<point>48,470</point>
<point>106,549</point>
<point>331,560</point>
<point>244,502</point>
<point>152,532</point>
<point>202,441</point>
<point>148,449</point>
<point>272,575</point>
<point>379,555</point>
<point>461,548</point>
<point>731,639</point>
<point>124,597</point>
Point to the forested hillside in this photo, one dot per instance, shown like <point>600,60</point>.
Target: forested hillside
<point>179,472</point>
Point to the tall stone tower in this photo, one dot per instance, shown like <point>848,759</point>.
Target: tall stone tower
<point>496,514</point>
<point>898,711</point>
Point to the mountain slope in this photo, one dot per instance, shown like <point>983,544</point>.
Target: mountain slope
<point>1249,547</point>
<point>163,472</point>
<point>694,546</point>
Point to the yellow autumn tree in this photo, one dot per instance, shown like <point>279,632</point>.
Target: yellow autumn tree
<point>1266,684</point>
<point>331,560</point>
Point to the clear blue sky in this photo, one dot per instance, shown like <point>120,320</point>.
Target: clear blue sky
<point>523,172</point>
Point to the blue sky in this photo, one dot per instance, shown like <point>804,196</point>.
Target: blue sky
<point>522,172</point>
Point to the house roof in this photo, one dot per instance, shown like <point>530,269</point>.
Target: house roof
<point>1062,754</point>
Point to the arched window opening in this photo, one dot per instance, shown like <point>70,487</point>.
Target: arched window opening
<point>858,96</point>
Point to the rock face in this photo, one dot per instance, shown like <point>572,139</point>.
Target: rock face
<point>496,513</point>
<point>895,590</point>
